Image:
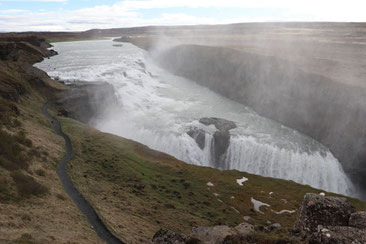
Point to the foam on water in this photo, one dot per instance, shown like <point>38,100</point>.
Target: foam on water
<point>157,109</point>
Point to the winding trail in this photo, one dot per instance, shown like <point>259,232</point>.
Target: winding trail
<point>84,206</point>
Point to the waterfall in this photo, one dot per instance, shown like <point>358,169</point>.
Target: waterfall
<point>315,169</point>
<point>158,109</point>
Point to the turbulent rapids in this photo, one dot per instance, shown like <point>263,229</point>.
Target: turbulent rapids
<point>161,110</point>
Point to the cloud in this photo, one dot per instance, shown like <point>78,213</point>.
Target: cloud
<point>13,11</point>
<point>58,1</point>
<point>130,13</point>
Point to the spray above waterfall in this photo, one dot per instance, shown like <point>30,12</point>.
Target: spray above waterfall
<point>174,115</point>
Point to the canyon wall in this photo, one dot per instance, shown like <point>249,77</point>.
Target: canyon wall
<point>331,112</point>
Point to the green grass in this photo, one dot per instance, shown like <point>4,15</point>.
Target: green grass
<point>169,194</point>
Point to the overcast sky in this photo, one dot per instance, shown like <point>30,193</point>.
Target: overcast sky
<point>71,15</point>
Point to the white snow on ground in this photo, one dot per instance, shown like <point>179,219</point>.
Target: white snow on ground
<point>210,184</point>
<point>241,181</point>
<point>322,194</point>
<point>284,211</point>
<point>257,204</point>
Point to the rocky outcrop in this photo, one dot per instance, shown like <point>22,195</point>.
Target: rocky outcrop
<point>204,235</point>
<point>338,235</point>
<point>212,235</point>
<point>221,137</point>
<point>17,75</point>
<point>24,48</point>
<point>324,219</point>
<point>358,220</point>
<point>169,237</point>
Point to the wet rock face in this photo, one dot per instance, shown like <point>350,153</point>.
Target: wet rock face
<point>221,138</point>
<point>199,136</point>
<point>321,210</point>
<point>330,220</point>
<point>221,142</point>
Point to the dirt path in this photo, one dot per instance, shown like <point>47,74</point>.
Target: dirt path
<point>84,206</point>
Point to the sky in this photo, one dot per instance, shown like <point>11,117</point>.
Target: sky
<point>71,15</point>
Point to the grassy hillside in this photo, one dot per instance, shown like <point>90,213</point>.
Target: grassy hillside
<point>33,205</point>
<point>138,190</point>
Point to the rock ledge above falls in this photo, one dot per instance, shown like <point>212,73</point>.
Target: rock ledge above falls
<point>221,138</point>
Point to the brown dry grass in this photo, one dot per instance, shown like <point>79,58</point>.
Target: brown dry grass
<point>50,217</point>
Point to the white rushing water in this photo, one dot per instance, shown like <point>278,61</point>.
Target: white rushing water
<point>157,108</point>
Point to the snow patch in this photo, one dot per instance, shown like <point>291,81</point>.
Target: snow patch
<point>257,204</point>
<point>284,211</point>
<point>241,181</point>
<point>210,184</point>
<point>322,194</point>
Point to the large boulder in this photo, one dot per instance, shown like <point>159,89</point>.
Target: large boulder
<point>212,235</point>
<point>358,220</point>
<point>317,210</point>
<point>205,235</point>
<point>244,229</point>
<point>169,237</point>
<point>338,235</point>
